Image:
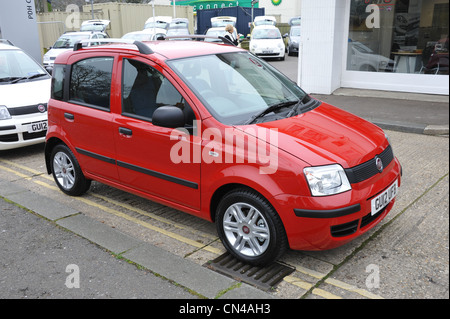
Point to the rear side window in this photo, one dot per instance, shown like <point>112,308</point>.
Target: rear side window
<point>58,75</point>
<point>90,82</point>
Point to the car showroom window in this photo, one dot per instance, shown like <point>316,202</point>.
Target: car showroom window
<point>144,89</point>
<point>90,82</point>
<point>58,82</point>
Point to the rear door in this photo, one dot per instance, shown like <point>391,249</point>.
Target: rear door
<point>149,157</point>
<point>87,115</point>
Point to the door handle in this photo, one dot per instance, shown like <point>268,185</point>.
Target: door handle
<point>125,131</point>
<point>69,116</point>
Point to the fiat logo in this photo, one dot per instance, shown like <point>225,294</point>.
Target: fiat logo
<point>379,164</point>
<point>41,108</point>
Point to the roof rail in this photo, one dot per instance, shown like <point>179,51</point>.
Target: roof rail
<point>143,48</point>
<point>5,41</point>
<point>199,37</point>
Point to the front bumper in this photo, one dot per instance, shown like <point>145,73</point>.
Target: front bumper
<point>15,132</point>
<point>273,53</point>
<point>321,223</point>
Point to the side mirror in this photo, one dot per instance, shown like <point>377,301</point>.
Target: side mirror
<point>168,116</point>
<point>285,35</point>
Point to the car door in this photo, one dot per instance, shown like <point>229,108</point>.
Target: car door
<point>148,156</point>
<point>87,113</point>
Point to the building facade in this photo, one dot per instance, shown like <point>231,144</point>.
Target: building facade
<point>392,45</point>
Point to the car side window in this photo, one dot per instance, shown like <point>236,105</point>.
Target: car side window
<point>90,82</point>
<point>144,89</point>
<point>58,82</point>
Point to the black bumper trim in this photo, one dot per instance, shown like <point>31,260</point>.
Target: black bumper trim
<point>333,213</point>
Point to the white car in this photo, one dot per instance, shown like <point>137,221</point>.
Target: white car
<point>266,41</point>
<point>146,34</point>
<point>66,43</point>
<point>24,93</point>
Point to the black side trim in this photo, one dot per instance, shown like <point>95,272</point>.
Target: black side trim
<point>309,213</point>
<point>158,175</point>
<point>96,156</point>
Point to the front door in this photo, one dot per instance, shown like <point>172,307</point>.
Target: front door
<point>145,157</point>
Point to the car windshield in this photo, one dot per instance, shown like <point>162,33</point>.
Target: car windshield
<point>236,87</point>
<point>16,65</point>
<point>67,41</point>
<point>295,32</point>
<point>266,34</point>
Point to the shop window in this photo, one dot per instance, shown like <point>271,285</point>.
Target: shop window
<point>402,36</point>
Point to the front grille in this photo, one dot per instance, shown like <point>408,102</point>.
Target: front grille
<point>29,136</point>
<point>351,227</point>
<point>29,109</point>
<point>8,138</point>
<point>344,229</point>
<point>368,169</point>
<point>366,220</point>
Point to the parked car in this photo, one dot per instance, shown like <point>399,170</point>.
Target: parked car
<point>95,25</point>
<point>214,131</point>
<point>146,34</point>
<point>266,41</point>
<point>264,20</point>
<point>159,22</point>
<point>362,58</point>
<point>179,27</point>
<point>293,40</point>
<point>66,42</point>
<point>24,93</point>
<point>218,25</point>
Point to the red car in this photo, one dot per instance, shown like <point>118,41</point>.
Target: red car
<point>216,132</point>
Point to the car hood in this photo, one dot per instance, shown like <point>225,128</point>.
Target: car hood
<point>326,135</point>
<point>25,93</point>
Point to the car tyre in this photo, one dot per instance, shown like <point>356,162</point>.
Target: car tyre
<point>250,228</point>
<point>67,172</point>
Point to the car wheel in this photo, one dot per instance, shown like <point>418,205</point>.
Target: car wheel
<point>67,172</point>
<point>250,228</point>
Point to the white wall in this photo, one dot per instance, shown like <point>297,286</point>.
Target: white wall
<point>322,38</point>
<point>287,9</point>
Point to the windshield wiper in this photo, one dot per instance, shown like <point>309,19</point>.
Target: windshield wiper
<point>27,77</point>
<point>302,102</point>
<point>271,109</point>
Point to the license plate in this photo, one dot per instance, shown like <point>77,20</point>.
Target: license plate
<point>381,201</point>
<point>267,51</point>
<point>37,127</point>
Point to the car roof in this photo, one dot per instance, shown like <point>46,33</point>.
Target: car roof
<point>4,46</point>
<point>164,50</point>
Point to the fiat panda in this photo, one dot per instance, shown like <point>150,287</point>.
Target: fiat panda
<point>216,132</point>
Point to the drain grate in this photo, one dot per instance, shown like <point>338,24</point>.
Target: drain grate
<point>264,278</point>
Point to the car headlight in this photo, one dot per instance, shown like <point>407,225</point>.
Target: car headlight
<point>327,180</point>
<point>4,113</point>
<point>46,58</point>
